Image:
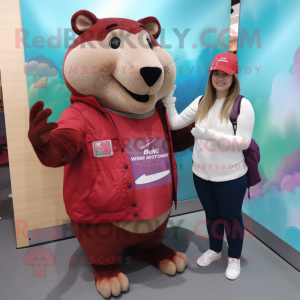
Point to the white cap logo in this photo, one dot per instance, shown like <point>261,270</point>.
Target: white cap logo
<point>215,62</point>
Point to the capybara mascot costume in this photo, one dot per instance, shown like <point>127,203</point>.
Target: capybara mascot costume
<point>115,144</point>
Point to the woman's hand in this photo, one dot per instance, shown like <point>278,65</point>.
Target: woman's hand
<point>203,133</point>
<point>169,100</point>
<point>197,132</point>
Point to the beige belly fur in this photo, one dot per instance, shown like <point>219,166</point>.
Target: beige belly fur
<point>144,226</point>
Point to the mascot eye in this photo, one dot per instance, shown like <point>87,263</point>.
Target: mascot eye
<point>150,44</point>
<point>115,43</point>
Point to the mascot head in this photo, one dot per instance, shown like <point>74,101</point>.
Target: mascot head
<point>119,62</point>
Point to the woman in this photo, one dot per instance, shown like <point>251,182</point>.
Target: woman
<point>219,169</point>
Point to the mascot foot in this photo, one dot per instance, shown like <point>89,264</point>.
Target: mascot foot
<point>109,280</point>
<point>176,264</point>
<point>164,258</point>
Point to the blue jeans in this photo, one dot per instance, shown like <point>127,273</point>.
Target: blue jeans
<point>222,203</point>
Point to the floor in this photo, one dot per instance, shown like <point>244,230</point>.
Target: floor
<point>264,275</point>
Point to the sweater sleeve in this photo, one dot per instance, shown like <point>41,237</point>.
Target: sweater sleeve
<point>245,125</point>
<point>65,142</point>
<point>185,118</point>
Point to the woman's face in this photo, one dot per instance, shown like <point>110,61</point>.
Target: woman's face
<point>221,81</point>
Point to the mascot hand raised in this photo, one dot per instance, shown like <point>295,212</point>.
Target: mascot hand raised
<point>39,130</point>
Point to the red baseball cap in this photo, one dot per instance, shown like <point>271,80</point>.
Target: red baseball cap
<point>226,62</point>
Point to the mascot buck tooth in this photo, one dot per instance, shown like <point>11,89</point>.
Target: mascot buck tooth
<point>116,146</point>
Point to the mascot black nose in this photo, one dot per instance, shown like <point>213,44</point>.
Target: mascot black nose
<point>150,75</point>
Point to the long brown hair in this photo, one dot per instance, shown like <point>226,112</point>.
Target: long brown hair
<point>210,97</point>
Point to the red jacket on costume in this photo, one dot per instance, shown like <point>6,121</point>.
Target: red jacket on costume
<point>99,184</point>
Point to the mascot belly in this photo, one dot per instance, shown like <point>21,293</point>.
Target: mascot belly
<point>116,146</point>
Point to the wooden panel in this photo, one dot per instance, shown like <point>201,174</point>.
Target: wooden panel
<point>37,190</point>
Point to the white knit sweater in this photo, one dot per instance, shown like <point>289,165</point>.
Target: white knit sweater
<point>214,161</point>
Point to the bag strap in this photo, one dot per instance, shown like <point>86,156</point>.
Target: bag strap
<point>200,100</point>
<point>235,112</point>
<point>233,119</point>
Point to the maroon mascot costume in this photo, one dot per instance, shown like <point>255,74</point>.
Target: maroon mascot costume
<point>116,146</point>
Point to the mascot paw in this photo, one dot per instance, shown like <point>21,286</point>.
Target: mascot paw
<point>166,259</point>
<point>109,280</point>
<point>177,264</point>
<point>180,260</point>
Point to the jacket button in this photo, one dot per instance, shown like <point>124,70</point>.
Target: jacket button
<point>133,205</point>
<point>125,167</point>
<point>129,185</point>
<point>122,149</point>
<point>135,214</point>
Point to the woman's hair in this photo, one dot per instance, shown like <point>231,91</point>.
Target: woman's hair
<point>210,97</point>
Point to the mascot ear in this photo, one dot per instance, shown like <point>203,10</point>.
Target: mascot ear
<point>152,24</point>
<point>83,20</point>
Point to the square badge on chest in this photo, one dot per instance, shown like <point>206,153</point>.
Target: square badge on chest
<point>102,148</point>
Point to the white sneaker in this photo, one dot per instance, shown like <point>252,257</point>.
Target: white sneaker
<point>208,257</point>
<point>233,269</point>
